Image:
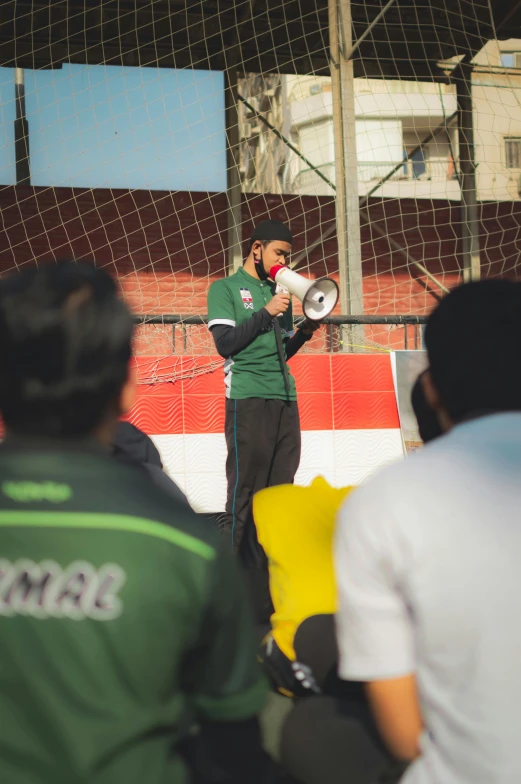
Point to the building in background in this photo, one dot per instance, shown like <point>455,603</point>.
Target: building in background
<point>393,118</point>
<point>264,157</point>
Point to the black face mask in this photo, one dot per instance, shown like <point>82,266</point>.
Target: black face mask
<point>259,266</point>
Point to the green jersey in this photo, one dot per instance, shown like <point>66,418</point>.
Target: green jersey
<point>121,621</point>
<point>256,370</point>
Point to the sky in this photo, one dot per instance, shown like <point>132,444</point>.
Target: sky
<point>119,127</point>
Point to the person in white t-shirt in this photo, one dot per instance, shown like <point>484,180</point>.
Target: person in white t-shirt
<point>428,556</point>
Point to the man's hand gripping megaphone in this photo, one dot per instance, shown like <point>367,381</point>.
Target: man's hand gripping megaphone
<point>279,303</point>
<point>307,326</point>
<point>321,295</point>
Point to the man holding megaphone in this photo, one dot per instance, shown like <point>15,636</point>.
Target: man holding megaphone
<point>251,321</point>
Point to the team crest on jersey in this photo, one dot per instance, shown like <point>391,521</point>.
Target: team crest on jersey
<point>247,299</point>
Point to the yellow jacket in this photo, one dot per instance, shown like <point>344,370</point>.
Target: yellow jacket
<point>295,526</point>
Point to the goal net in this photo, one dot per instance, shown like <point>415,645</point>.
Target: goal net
<point>151,136</point>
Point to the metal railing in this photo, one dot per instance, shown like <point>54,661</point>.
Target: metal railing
<point>309,179</point>
<point>369,171</point>
<point>188,320</point>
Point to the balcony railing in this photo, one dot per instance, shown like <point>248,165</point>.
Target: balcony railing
<point>373,171</point>
<point>309,180</point>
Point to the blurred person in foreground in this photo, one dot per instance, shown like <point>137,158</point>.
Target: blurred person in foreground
<point>132,446</point>
<point>121,621</point>
<point>427,560</point>
<point>295,526</point>
<point>428,426</point>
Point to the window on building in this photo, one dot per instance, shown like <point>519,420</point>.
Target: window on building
<point>513,152</point>
<point>511,59</point>
<point>419,163</point>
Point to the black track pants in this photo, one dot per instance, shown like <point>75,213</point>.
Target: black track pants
<point>263,440</point>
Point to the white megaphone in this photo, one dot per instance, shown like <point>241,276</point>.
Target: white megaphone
<point>318,297</point>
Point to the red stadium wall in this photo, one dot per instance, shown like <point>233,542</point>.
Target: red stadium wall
<point>335,392</point>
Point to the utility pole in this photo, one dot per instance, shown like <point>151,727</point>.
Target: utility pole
<point>347,201</point>
<point>470,227</point>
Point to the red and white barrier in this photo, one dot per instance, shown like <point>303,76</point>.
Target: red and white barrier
<point>348,412</point>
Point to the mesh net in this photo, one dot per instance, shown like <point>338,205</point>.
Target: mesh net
<point>152,136</point>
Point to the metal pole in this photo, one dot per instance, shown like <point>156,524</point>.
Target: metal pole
<point>338,134</point>
<point>202,318</point>
<point>347,205</point>
<point>233,154</point>
<point>469,203</point>
<point>21,131</point>
<point>233,176</point>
